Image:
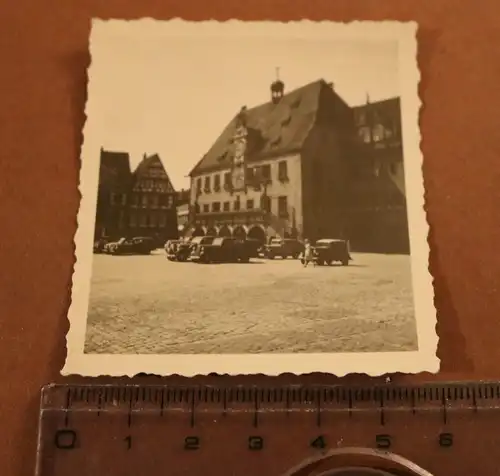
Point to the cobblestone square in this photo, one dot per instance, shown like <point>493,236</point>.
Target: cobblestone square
<point>149,305</point>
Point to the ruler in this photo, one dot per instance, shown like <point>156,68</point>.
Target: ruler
<point>121,430</point>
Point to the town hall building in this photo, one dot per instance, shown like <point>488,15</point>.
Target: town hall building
<point>306,165</point>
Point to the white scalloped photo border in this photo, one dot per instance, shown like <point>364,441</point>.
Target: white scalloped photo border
<point>340,364</point>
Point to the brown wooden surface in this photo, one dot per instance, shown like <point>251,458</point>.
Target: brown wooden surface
<point>42,86</point>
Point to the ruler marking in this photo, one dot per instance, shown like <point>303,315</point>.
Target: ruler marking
<point>318,408</point>
<point>224,402</point>
<point>287,402</point>
<point>162,402</point>
<point>474,400</point>
<point>99,403</point>
<point>349,398</point>
<point>256,408</point>
<point>413,408</point>
<point>191,395</point>
<point>66,410</point>
<point>444,412</point>
<point>129,415</point>
<point>382,412</point>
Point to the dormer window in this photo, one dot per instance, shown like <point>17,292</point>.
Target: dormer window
<point>283,171</point>
<point>265,173</point>
<point>227,181</point>
<point>217,183</point>
<point>206,188</point>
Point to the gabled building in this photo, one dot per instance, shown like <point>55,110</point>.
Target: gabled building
<point>305,164</point>
<point>112,199</point>
<point>138,203</point>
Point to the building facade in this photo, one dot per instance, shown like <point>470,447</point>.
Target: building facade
<point>377,212</point>
<point>301,166</point>
<point>115,179</point>
<point>138,203</point>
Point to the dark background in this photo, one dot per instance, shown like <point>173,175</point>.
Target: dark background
<point>43,46</point>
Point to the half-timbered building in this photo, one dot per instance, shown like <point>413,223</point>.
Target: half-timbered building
<point>138,203</point>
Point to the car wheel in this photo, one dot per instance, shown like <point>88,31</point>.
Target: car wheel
<point>270,256</point>
<point>296,255</point>
<point>345,262</point>
<point>329,262</point>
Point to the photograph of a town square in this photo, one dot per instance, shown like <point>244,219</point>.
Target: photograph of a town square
<point>249,202</point>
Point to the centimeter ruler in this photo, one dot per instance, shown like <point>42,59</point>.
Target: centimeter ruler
<point>434,429</point>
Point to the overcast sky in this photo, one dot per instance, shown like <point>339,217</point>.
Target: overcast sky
<point>173,96</point>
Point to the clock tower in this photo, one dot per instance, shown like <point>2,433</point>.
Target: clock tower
<point>239,149</point>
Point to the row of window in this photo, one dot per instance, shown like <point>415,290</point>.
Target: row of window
<point>151,220</point>
<point>146,200</point>
<point>265,205</point>
<point>378,133</point>
<point>258,174</point>
<point>154,186</point>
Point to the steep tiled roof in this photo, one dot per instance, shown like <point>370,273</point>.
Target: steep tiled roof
<point>114,170</point>
<point>146,162</point>
<point>144,165</point>
<point>274,129</point>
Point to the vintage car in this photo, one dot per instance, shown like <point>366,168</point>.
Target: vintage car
<point>108,247</point>
<point>141,245</point>
<point>171,249</point>
<point>254,247</point>
<point>195,242</point>
<point>329,250</point>
<point>283,247</point>
<point>99,245</point>
<point>179,250</point>
<point>222,250</point>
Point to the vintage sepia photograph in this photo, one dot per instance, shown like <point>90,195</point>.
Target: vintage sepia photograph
<point>252,201</point>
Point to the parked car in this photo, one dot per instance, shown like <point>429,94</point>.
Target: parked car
<point>171,249</point>
<point>254,246</point>
<point>109,247</point>
<point>179,250</point>
<point>198,241</point>
<point>141,245</point>
<point>222,250</point>
<point>99,245</point>
<point>328,250</point>
<point>283,247</point>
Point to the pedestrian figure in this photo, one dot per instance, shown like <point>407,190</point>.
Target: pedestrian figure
<point>308,253</point>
